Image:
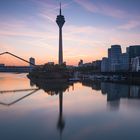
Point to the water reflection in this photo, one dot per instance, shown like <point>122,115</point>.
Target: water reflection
<point>54,88</point>
<point>51,88</point>
<point>115,92</point>
<point>61,121</point>
<point>19,99</point>
<point>56,111</point>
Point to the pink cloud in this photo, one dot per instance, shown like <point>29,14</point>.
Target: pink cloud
<point>88,5</point>
<point>12,24</point>
<point>17,28</point>
<point>101,8</point>
<point>49,9</point>
<point>130,25</point>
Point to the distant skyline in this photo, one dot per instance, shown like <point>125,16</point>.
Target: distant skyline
<point>28,28</point>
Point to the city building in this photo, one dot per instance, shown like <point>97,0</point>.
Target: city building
<point>32,61</point>
<point>2,65</point>
<point>116,61</point>
<point>50,63</point>
<point>109,59</point>
<point>97,64</point>
<point>92,66</point>
<point>124,62</point>
<point>135,64</point>
<point>105,64</point>
<point>80,63</point>
<point>86,64</point>
<point>114,56</point>
<point>133,51</point>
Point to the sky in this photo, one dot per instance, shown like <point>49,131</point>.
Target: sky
<point>28,29</point>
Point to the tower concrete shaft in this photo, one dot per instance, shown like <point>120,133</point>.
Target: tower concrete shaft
<point>60,47</point>
<point>60,20</point>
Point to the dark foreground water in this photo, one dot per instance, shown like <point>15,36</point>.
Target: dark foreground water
<point>82,111</point>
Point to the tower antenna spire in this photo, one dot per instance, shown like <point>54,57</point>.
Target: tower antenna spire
<point>60,8</point>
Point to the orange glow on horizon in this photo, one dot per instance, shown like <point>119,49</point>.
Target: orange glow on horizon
<point>39,59</point>
<point>13,62</point>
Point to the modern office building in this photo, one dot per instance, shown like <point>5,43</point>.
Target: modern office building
<point>109,59</point>
<point>135,64</point>
<point>109,52</point>
<point>114,57</point>
<point>32,61</point>
<point>60,20</point>
<point>124,62</point>
<point>133,51</point>
<point>116,61</point>
<point>105,65</point>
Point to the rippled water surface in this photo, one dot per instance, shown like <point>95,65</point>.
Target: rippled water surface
<point>81,111</point>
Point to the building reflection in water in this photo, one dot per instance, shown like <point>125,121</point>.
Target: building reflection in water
<point>115,92</point>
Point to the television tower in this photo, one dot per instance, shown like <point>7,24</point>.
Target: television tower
<point>60,20</point>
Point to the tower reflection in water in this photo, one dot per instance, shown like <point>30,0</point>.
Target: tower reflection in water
<point>61,121</point>
<point>55,88</point>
